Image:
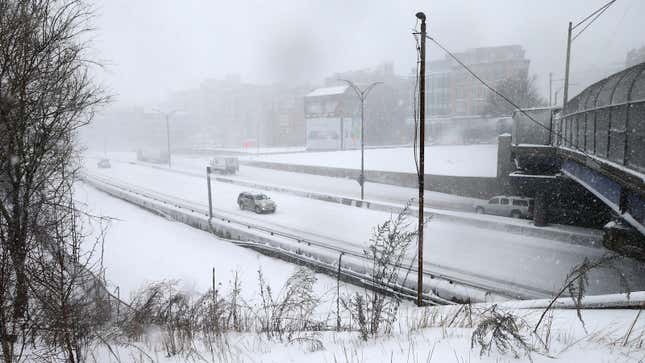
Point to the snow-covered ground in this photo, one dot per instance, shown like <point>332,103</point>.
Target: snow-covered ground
<point>458,160</point>
<point>496,255</point>
<point>141,247</point>
<point>609,338</point>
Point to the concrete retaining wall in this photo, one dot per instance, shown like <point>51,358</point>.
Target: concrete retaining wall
<point>474,187</point>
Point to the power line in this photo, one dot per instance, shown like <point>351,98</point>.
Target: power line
<point>570,143</point>
<point>592,20</point>
<point>601,9</point>
<point>622,18</point>
<point>504,97</point>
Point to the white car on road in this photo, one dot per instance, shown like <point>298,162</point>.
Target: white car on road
<point>507,206</point>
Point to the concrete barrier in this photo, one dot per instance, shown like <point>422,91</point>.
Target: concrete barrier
<point>355,268</point>
<point>474,187</point>
<point>583,237</point>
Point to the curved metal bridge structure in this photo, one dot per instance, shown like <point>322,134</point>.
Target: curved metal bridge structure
<point>596,140</point>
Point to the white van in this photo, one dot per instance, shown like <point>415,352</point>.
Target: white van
<point>225,164</point>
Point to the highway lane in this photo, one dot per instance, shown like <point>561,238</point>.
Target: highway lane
<point>522,260</point>
<point>322,184</point>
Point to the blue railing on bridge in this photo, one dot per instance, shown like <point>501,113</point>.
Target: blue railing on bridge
<point>607,120</point>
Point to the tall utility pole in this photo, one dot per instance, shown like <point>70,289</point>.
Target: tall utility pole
<point>550,89</point>
<point>590,18</point>
<point>422,120</point>
<point>362,95</point>
<point>167,116</point>
<point>566,69</point>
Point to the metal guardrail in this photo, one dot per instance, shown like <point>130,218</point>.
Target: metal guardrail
<point>566,236</point>
<point>509,290</point>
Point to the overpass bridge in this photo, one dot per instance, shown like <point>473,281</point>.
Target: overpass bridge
<point>597,142</point>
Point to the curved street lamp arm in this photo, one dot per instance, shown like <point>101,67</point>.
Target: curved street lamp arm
<point>369,88</point>
<point>168,113</point>
<point>357,90</point>
<point>361,93</point>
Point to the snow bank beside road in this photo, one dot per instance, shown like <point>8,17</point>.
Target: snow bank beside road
<point>456,160</point>
<point>141,247</point>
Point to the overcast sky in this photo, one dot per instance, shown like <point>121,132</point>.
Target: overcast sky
<point>154,47</point>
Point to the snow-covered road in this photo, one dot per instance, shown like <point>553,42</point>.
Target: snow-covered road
<point>517,259</point>
<point>322,184</point>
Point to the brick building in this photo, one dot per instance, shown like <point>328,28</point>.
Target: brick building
<point>452,91</point>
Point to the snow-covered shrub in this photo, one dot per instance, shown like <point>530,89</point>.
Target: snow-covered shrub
<point>376,312</point>
<point>503,330</point>
<point>163,305</point>
<point>577,281</point>
<point>290,313</point>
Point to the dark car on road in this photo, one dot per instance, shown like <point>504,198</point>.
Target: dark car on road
<point>259,203</point>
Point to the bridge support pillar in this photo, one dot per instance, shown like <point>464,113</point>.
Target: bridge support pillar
<point>504,162</point>
<point>540,215</point>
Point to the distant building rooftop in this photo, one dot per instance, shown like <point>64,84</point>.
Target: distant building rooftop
<point>327,91</point>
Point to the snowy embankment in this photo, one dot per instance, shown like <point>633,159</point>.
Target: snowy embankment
<point>456,160</point>
<point>141,246</point>
<point>434,334</point>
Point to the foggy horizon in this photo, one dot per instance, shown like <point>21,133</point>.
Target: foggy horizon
<point>152,49</point>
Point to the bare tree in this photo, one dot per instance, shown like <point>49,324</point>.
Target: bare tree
<point>520,89</point>
<point>69,305</point>
<point>46,94</point>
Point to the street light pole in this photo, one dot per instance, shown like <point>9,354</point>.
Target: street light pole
<point>168,137</point>
<point>167,116</point>
<point>362,95</point>
<point>362,148</point>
